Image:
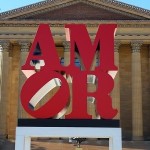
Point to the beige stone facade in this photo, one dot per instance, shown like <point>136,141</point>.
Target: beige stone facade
<point>131,94</point>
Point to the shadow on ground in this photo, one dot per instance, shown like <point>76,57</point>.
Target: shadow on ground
<point>7,145</point>
<point>64,144</point>
<point>138,145</point>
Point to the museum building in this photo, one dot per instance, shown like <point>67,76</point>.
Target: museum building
<point>131,93</point>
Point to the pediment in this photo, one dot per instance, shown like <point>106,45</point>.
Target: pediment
<point>81,11</point>
<point>76,10</point>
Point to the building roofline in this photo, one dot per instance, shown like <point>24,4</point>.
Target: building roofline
<point>110,3</point>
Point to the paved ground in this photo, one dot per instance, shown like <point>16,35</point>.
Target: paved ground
<point>51,144</point>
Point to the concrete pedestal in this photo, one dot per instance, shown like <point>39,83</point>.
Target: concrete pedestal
<point>24,134</point>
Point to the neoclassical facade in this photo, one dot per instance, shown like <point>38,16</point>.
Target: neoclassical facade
<point>131,94</point>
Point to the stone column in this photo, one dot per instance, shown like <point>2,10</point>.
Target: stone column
<point>149,64</point>
<point>137,118</point>
<point>116,91</point>
<point>1,68</point>
<point>13,90</point>
<point>94,60</point>
<point>66,45</point>
<point>92,87</point>
<point>24,48</point>
<point>4,66</point>
<point>66,53</point>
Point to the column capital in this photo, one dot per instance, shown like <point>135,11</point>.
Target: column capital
<point>117,44</point>
<point>5,45</point>
<point>66,45</point>
<point>136,46</point>
<point>25,45</point>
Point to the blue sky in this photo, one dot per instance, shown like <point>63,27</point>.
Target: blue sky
<point>6,5</point>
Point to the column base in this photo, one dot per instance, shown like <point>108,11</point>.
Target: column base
<point>137,138</point>
<point>11,137</point>
<point>2,139</point>
<point>3,136</point>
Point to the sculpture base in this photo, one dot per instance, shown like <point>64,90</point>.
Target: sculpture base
<point>24,135</point>
<point>69,123</point>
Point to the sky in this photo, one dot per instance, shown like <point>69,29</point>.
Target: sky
<point>6,5</point>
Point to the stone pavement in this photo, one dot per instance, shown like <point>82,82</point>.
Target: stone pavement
<point>51,144</point>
